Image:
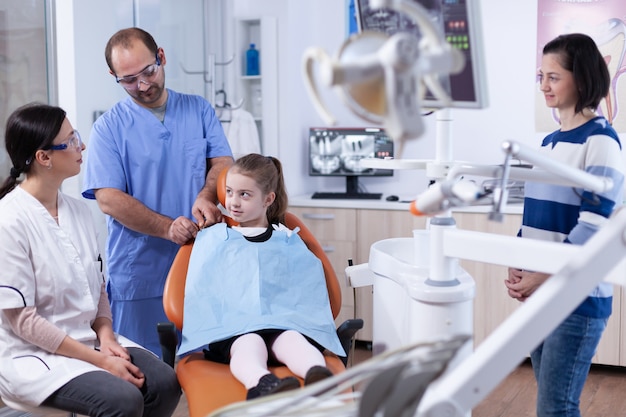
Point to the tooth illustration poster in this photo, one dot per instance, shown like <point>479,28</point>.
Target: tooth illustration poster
<point>603,20</point>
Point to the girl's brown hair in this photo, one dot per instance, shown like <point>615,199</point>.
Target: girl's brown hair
<point>267,171</point>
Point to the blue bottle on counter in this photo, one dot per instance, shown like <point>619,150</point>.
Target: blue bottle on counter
<point>252,60</point>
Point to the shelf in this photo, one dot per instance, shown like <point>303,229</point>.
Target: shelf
<point>262,31</point>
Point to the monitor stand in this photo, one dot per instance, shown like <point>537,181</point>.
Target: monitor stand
<point>352,192</point>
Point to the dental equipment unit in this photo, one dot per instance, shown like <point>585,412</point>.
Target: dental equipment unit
<point>423,363</point>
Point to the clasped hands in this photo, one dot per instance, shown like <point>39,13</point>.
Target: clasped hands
<point>522,284</point>
<point>118,362</point>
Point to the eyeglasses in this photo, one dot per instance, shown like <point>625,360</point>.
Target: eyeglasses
<point>74,142</point>
<point>131,82</point>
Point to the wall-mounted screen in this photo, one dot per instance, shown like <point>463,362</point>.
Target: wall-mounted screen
<point>459,22</point>
<point>337,152</point>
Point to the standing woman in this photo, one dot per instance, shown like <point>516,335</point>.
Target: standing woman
<point>57,346</point>
<point>574,79</point>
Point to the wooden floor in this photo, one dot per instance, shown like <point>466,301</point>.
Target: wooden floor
<point>604,394</point>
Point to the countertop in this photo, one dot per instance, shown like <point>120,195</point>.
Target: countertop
<point>383,204</point>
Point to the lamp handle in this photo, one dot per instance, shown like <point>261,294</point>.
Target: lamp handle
<point>310,56</point>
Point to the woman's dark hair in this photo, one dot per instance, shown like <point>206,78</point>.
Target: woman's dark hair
<point>29,128</point>
<point>579,54</point>
<point>125,38</point>
<point>267,171</point>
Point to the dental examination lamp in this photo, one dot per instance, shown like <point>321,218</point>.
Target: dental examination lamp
<point>383,78</point>
<point>379,76</point>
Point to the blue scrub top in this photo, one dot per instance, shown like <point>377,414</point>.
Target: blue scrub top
<point>164,166</point>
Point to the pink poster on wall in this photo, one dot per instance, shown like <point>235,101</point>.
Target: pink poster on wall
<point>605,22</point>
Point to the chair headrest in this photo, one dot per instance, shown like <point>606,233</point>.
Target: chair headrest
<point>221,186</point>
<point>221,195</point>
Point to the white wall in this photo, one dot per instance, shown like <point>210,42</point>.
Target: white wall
<point>510,45</point>
<point>84,83</point>
<point>509,32</point>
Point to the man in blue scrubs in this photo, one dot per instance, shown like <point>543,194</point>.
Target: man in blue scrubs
<point>152,165</point>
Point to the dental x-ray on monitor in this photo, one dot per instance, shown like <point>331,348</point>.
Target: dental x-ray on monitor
<point>337,152</point>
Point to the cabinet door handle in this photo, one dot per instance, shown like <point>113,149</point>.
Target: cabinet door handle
<point>321,216</point>
<point>328,248</point>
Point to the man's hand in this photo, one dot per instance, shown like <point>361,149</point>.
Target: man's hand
<point>182,230</point>
<point>205,208</point>
<point>205,211</point>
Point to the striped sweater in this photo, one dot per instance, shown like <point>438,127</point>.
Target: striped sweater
<point>572,215</point>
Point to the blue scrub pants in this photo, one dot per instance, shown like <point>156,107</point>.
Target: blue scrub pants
<point>102,394</point>
<point>137,320</point>
<point>561,365</point>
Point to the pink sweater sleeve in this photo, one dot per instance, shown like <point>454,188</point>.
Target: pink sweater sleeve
<point>30,326</point>
<point>104,308</point>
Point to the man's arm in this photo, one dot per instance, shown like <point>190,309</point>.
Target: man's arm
<point>205,207</point>
<point>133,214</point>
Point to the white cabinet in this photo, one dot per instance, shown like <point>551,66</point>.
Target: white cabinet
<point>260,92</point>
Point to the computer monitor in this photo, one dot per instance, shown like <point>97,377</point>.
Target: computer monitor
<point>459,21</point>
<point>337,152</point>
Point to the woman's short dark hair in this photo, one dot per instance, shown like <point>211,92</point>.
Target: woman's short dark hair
<point>29,128</point>
<point>579,54</point>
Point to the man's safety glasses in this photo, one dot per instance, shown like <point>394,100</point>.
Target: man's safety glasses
<point>131,82</point>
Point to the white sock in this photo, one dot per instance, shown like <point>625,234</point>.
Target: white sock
<point>248,359</point>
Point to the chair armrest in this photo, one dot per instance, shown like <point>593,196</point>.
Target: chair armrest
<point>346,332</point>
<point>168,340</point>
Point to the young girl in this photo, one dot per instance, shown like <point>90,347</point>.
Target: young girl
<point>574,79</point>
<point>255,292</point>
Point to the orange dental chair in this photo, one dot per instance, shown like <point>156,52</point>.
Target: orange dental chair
<point>210,385</point>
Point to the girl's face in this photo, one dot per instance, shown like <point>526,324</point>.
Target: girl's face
<point>245,201</point>
<point>557,84</point>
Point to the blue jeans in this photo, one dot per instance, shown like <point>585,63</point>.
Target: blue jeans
<point>561,365</point>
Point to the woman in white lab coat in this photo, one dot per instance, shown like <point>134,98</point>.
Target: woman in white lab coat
<point>57,346</point>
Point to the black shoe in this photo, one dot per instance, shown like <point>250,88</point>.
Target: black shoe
<point>271,384</point>
<point>317,373</point>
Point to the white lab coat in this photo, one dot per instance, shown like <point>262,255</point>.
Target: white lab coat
<point>242,133</point>
<point>55,268</point>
